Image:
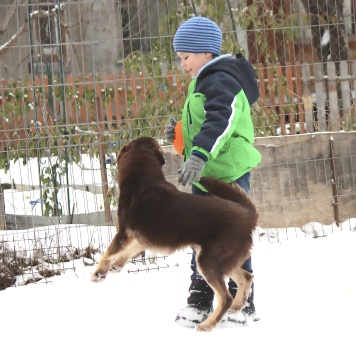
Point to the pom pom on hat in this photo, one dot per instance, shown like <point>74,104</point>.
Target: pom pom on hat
<point>198,35</point>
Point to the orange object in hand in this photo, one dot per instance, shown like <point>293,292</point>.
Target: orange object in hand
<point>178,142</point>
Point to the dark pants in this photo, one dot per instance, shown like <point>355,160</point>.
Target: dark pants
<point>200,292</point>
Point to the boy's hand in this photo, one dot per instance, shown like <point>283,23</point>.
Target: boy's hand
<point>191,171</point>
<point>169,131</point>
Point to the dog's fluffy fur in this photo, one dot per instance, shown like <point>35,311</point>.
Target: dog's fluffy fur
<point>153,214</point>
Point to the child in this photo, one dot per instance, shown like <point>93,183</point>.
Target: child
<point>217,133</point>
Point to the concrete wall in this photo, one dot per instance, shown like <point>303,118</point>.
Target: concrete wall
<point>293,184</point>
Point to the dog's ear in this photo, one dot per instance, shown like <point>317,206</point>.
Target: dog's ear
<point>160,156</point>
<point>151,144</point>
<point>121,152</point>
<point>146,143</point>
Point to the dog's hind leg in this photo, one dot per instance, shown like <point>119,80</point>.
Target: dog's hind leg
<point>216,280</point>
<point>243,279</point>
<point>121,249</point>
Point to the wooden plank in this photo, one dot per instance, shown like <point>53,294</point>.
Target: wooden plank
<point>281,111</point>
<point>99,107</point>
<point>29,117</point>
<point>3,86</point>
<point>5,138</point>
<point>47,109</point>
<point>299,91</point>
<point>70,101</point>
<point>134,107</point>
<point>320,96</point>
<point>307,99</point>
<point>353,96</point>
<point>262,86</point>
<point>90,105</point>
<point>345,89</point>
<point>117,105</point>
<point>334,122</point>
<point>182,81</point>
<point>141,89</point>
<point>39,106</point>
<point>22,120</point>
<point>16,123</point>
<point>108,106</point>
<point>353,71</point>
<point>169,77</point>
<point>271,89</point>
<point>290,95</point>
<point>83,112</point>
<point>123,93</point>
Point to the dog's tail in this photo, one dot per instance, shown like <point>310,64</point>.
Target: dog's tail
<point>226,191</point>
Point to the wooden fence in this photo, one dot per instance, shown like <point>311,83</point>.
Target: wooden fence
<point>319,97</point>
<point>296,93</point>
<point>86,103</point>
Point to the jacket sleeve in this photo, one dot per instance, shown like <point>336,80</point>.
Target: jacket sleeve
<point>224,103</point>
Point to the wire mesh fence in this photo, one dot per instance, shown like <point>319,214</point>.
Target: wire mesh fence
<point>79,79</point>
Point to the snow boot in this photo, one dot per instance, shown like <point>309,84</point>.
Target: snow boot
<point>199,306</point>
<point>249,311</point>
<point>192,315</point>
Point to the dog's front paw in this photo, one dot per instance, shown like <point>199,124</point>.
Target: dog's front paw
<point>115,269</point>
<point>206,326</point>
<point>98,276</point>
<point>234,310</point>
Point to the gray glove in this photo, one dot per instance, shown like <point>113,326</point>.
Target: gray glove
<point>169,131</point>
<point>191,171</point>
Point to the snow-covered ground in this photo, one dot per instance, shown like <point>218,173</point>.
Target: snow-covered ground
<point>305,294</point>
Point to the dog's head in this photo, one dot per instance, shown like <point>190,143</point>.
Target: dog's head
<point>144,142</point>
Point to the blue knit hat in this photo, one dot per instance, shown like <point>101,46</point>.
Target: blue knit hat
<point>198,35</point>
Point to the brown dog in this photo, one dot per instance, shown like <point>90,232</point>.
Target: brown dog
<point>153,214</point>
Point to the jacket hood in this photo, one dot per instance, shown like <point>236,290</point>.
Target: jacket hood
<point>240,69</point>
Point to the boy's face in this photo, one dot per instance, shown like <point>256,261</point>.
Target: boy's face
<point>192,62</point>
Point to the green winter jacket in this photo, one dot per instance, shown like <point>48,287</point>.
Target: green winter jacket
<point>216,118</point>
